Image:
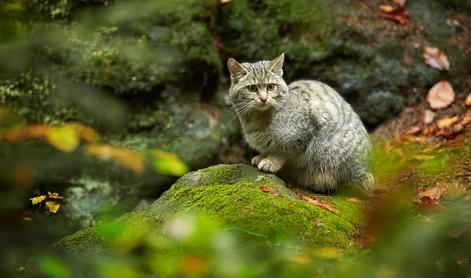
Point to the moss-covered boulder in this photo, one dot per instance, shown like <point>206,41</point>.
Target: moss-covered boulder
<point>241,198</point>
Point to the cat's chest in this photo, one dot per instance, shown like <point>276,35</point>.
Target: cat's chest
<point>282,131</point>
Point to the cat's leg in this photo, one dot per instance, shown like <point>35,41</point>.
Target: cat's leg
<point>271,163</point>
<point>322,182</point>
<point>366,183</point>
<point>256,159</point>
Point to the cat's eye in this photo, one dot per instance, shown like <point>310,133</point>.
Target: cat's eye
<point>252,88</point>
<point>270,87</point>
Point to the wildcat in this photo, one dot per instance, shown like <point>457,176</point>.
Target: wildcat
<point>305,131</point>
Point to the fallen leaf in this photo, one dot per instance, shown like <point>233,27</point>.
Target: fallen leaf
<point>38,199</point>
<point>64,138</point>
<point>428,116</point>
<point>427,203</point>
<point>441,95</point>
<point>467,118</point>
<point>395,12</point>
<point>436,58</point>
<point>320,204</point>
<point>468,100</point>
<point>447,122</point>
<point>267,189</point>
<point>434,193</point>
<point>413,130</point>
<point>54,195</point>
<point>53,206</point>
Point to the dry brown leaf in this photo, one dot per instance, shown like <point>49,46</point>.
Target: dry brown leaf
<point>53,206</point>
<point>38,199</point>
<point>467,118</point>
<point>436,58</point>
<point>468,100</point>
<point>267,189</point>
<point>427,203</point>
<point>441,95</point>
<point>434,193</point>
<point>447,122</point>
<point>428,116</point>
<point>413,130</point>
<point>395,12</point>
<point>320,204</point>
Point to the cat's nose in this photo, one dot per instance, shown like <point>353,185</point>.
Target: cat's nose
<point>263,99</point>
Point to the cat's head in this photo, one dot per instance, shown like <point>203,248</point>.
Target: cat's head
<point>258,85</point>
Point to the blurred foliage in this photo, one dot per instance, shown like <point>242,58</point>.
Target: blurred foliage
<point>73,69</point>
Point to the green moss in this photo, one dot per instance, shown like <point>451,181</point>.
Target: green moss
<point>230,195</point>
<point>105,235</point>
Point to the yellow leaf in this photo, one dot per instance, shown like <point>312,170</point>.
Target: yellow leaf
<point>64,138</point>
<point>53,206</point>
<point>54,195</point>
<point>85,132</point>
<point>126,158</point>
<point>38,199</point>
<point>168,163</point>
<point>447,122</point>
<point>468,100</point>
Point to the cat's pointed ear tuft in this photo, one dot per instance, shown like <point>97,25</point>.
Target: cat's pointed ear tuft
<point>237,70</point>
<point>276,65</point>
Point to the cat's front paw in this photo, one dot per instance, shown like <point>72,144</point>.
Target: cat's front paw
<point>256,159</point>
<point>269,165</point>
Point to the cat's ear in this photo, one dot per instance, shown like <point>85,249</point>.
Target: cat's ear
<point>236,69</point>
<point>276,65</point>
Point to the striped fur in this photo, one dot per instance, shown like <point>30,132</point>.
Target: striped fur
<point>306,131</point>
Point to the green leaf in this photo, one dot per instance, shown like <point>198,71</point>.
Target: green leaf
<point>168,163</point>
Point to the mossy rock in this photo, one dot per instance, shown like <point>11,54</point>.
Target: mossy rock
<point>232,196</point>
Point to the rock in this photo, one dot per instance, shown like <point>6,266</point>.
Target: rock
<point>231,196</point>
<point>189,128</point>
<point>380,106</point>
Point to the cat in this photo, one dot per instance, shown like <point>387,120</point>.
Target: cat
<point>305,131</point>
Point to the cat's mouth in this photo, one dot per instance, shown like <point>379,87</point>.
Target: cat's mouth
<point>262,105</point>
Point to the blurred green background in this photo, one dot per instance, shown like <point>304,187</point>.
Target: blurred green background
<point>107,102</point>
